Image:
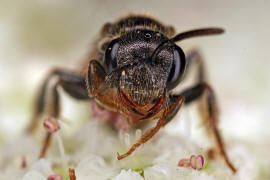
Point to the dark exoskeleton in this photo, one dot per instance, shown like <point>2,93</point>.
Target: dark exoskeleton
<point>133,69</point>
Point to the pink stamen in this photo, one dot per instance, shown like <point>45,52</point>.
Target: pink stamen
<point>197,162</point>
<point>51,125</point>
<point>184,163</point>
<point>55,177</point>
<point>194,162</point>
<point>23,162</point>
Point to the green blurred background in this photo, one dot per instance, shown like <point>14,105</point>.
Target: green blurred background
<point>37,35</point>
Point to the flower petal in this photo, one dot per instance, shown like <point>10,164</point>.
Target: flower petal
<point>130,175</point>
<point>34,175</point>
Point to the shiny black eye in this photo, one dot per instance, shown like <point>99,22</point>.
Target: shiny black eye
<point>177,68</point>
<point>110,62</point>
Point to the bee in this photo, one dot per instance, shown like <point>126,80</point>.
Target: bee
<point>135,64</point>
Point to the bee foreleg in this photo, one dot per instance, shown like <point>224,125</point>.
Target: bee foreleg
<point>73,84</point>
<point>174,104</point>
<point>95,77</point>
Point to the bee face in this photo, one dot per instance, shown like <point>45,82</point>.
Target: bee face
<point>144,66</point>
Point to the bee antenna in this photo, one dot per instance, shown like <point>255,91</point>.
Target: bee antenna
<point>185,35</point>
<point>197,32</point>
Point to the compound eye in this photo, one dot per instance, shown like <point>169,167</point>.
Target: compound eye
<point>110,62</point>
<point>177,68</point>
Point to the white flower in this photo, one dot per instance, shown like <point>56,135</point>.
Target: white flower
<point>44,166</point>
<point>203,176</point>
<point>93,151</point>
<point>34,175</point>
<point>128,175</point>
<point>39,170</point>
<point>158,172</point>
<point>94,167</point>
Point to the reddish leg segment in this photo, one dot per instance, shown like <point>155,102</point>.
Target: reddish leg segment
<point>150,133</point>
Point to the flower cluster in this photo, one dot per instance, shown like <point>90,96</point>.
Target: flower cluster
<point>92,154</point>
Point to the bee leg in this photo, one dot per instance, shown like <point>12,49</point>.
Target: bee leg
<point>95,78</point>
<point>98,89</point>
<point>209,115</point>
<point>208,105</point>
<point>45,145</point>
<point>39,107</point>
<point>174,104</point>
<point>73,84</point>
<point>194,59</point>
<point>54,112</point>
